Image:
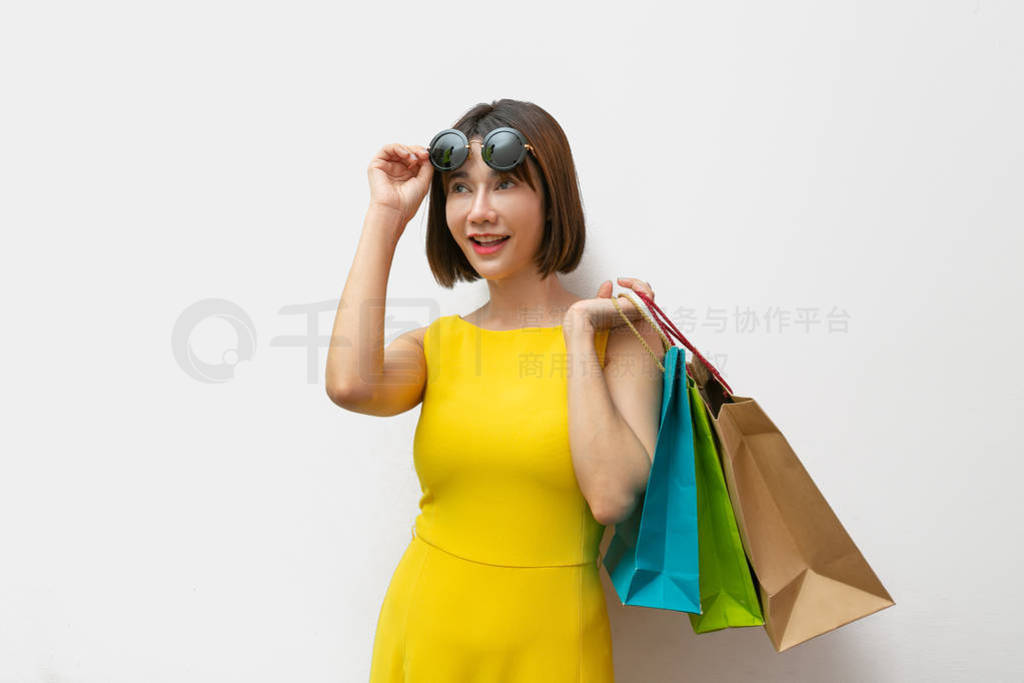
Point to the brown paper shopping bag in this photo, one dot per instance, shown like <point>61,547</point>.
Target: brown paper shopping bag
<point>811,577</point>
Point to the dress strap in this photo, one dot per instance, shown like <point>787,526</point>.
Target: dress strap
<point>601,344</point>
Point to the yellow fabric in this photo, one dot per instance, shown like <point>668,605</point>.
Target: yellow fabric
<point>499,583</point>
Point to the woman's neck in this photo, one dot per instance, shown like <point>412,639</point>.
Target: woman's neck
<point>525,303</point>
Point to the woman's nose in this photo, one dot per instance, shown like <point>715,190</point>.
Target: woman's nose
<point>482,210</point>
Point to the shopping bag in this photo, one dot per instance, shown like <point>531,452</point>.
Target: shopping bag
<point>726,586</point>
<point>652,559</point>
<point>728,597</point>
<point>811,576</point>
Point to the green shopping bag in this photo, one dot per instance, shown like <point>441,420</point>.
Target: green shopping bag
<point>727,594</point>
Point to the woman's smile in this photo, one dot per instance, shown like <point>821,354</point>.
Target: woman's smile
<point>488,248</point>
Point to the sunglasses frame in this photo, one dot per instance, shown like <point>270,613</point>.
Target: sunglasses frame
<point>526,147</point>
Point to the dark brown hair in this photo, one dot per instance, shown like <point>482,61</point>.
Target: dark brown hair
<point>561,247</point>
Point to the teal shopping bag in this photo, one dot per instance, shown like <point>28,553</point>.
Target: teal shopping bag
<point>653,557</point>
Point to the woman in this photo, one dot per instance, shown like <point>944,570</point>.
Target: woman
<point>539,411</point>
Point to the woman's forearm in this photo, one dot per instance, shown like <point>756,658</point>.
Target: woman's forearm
<point>355,356</point>
<point>611,463</point>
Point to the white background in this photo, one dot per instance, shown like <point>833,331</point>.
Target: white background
<point>866,156</point>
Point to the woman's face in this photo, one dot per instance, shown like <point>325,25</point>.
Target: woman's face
<point>481,200</point>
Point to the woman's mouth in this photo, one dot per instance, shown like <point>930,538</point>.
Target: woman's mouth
<point>489,248</point>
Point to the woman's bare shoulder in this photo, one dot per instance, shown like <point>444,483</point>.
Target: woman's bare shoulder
<point>418,334</point>
<point>624,347</point>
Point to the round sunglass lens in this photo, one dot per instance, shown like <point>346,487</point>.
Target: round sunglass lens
<point>504,150</point>
<point>448,151</point>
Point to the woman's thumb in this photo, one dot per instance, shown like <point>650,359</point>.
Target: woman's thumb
<point>426,168</point>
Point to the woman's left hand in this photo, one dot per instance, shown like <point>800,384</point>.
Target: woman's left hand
<point>599,313</point>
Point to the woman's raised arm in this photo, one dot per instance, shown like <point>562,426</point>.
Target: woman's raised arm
<point>360,375</point>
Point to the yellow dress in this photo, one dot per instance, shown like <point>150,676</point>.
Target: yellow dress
<point>499,583</point>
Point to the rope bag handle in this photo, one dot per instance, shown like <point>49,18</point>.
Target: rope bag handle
<point>664,329</point>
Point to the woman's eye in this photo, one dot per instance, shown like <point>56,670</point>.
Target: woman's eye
<point>456,186</point>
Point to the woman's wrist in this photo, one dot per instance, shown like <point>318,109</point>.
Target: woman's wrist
<point>386,214</point>
<point>576,323</point>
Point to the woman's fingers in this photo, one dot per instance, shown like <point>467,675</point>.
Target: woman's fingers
<point>409,155</point>
<point>637,285</point>
<point>395,167</point>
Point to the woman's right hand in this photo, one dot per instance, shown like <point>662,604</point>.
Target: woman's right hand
<point>399,178</point>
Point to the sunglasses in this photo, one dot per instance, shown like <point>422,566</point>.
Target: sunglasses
<point>503,149</point>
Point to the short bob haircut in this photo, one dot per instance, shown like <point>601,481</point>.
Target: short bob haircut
<point>561,247</point>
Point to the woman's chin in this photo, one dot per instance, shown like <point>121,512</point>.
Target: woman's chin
<point>491,270</point>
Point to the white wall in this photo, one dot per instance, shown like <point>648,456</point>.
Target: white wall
<point>860,155</point>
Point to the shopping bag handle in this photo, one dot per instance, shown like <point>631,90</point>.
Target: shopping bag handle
<point>669,328</point>
<point>666,342</point>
